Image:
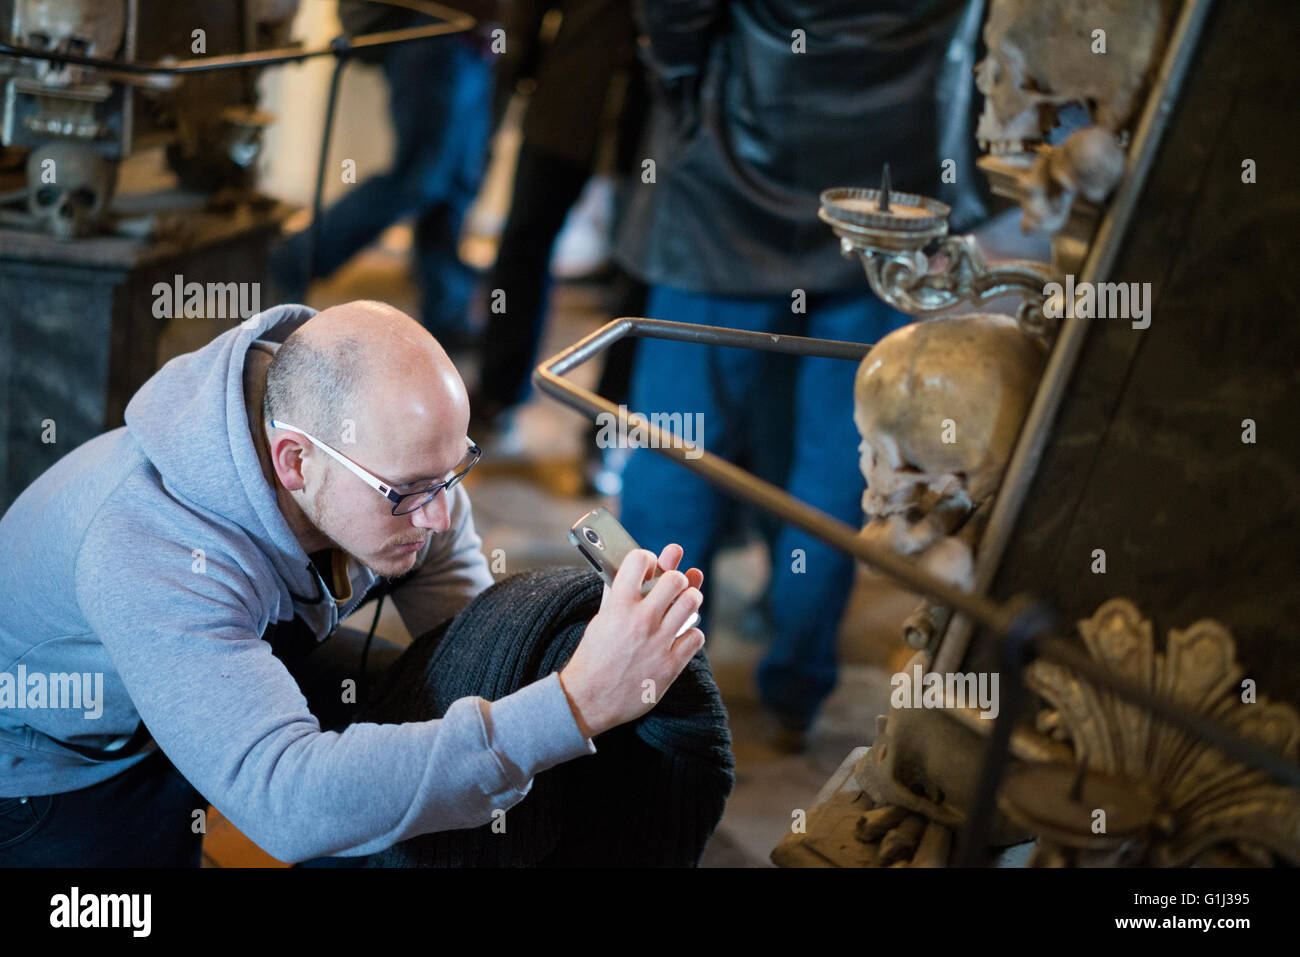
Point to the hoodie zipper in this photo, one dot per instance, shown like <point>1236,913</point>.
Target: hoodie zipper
<point>338,612</point>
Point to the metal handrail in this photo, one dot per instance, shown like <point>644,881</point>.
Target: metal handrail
<point>454,21</point>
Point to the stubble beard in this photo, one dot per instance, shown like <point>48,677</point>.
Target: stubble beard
<point>318,517</point>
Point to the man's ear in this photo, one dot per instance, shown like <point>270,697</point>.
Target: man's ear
<point>286,450</point>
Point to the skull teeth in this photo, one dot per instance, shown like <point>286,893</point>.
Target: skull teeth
<point>1007,147</point>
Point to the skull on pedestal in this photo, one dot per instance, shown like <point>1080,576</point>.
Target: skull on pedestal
<point>939,405</point>
<point>90,28</point>
<point>69,186</point>
<point>1047,54</point>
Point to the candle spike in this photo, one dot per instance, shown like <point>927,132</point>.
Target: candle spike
<point>883,205</point>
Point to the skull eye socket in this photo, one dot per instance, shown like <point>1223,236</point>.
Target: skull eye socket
<point>77,46</point>
<point>909,469</point>
<point>84,197</point>
<point>38,41</point>
<point>46,196</point>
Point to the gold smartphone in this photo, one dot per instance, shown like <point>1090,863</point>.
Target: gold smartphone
<point>604,543</point>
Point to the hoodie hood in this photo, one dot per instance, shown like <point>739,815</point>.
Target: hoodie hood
<point>190,420</point>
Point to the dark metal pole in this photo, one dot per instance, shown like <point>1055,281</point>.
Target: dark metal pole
<point>1026,627</point>
<point>454,21</point>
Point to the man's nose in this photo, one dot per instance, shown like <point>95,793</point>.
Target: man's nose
<point>434,515</point>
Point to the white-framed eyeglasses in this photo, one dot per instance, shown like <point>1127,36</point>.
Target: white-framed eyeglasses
<point>404,503</point>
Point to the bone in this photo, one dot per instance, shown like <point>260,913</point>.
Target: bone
<point>900,843</point>
<point>1036,65</point>
<point>1089,162</point>
<point>935,846</point>
<point>951,560</point>
<point>918,627</point>
<point>876,823</point>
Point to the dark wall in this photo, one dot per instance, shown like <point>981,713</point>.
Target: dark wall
<point>1147,460</point>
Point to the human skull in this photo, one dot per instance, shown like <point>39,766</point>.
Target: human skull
<point>91,28</point>
<point>69,187</point>
<point>939,404</point>
<point>1089,164</point>
<point>1040,58</point>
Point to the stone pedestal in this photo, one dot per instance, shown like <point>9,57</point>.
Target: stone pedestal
<point>78,329</point>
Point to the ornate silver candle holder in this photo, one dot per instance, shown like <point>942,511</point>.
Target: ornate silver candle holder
<point>914,265</point>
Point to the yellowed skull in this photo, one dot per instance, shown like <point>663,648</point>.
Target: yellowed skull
<point>939,405</point>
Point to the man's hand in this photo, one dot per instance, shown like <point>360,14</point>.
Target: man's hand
<point>632,640</point>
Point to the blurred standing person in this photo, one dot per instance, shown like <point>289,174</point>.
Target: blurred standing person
<point>588,89</point>
<point>440,103</point>
<point>763,106</point>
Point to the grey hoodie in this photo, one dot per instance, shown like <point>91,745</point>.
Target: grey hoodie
<point>155,556</point>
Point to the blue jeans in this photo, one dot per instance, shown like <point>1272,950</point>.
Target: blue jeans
<point>440,95</point>
<point>754,404</point>
<point>144,816</point>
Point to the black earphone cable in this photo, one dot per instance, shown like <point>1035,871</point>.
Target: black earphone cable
<point>365,649</point>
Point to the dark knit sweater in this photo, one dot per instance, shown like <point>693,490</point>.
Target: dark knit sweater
<point>651,795</point>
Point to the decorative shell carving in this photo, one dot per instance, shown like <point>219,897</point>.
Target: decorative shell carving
<point>1207,808</point>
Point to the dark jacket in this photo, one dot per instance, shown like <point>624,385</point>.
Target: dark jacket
<point>749,131</point>
<point>588,84</point>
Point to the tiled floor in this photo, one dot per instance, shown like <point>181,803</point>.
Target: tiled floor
<point>524,507</point>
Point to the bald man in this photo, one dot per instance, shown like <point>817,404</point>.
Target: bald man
<point>169,587</point>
